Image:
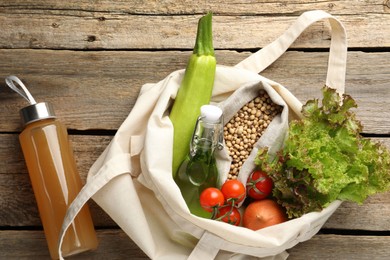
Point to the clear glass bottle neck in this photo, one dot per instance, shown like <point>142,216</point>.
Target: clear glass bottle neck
<point>206,137</point>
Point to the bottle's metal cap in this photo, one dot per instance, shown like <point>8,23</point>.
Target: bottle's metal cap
<point>36,112</point>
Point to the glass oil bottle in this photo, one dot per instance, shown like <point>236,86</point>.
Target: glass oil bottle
<point>199,171</point>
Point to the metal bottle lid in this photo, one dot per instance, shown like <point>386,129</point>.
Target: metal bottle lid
<point>35,111</point>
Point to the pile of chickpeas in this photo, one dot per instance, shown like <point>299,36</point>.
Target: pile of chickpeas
<point>246,127</point>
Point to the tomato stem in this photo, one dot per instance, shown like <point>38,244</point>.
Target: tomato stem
<point>215,212</point>
<point>252,184</point>
<point>227,214</point>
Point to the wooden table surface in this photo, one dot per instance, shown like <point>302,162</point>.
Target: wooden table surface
<point>90,58</point>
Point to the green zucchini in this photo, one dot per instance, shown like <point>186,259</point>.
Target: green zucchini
<point>195,90</point>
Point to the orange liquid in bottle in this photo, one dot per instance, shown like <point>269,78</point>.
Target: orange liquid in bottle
<point>56,182</point>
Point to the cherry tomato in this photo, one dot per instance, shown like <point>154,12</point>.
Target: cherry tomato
<point>234,191</point>
<point>259,185</point>
<point>229,214</point>
<point>211,198</point>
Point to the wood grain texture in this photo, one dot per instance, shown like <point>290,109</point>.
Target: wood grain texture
<point>342,247</point>
<point>114,244</point>
<point>170,7</point>
<point>96,90</point>
<point>352,216</point>
<point>133,26</point>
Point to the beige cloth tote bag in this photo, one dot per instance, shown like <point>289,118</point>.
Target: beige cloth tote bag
<point>132,179</point>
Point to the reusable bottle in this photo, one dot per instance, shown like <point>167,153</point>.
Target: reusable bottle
<point>53,174</point>
<point>199,171</point>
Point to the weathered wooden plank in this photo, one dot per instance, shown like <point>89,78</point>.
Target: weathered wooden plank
<point>167,7</point>
<point>96,90</point>
<point>69,29</point>
<point>342,247</point>
<point>362,217</point>
<point>114,244</point>
<point>18,206</point>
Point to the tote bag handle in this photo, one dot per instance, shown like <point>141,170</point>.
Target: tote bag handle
<point>337,62</point>
<point>97,182</point>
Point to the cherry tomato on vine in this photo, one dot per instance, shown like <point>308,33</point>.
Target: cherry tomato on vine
<point>211,198</point>
<point>234,191</point>
<point>259,185</point>
<point>229,214</point>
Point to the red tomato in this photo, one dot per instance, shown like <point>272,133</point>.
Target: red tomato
<point>259,185</point>
<point>211,198</point>
<point>263,213</point>
<point>234,191</point>
<point>229,214</point>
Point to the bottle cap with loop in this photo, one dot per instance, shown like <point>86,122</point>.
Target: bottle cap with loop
<point>35,111</point>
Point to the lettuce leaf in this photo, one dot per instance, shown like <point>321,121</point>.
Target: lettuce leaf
<point>325,158</point>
